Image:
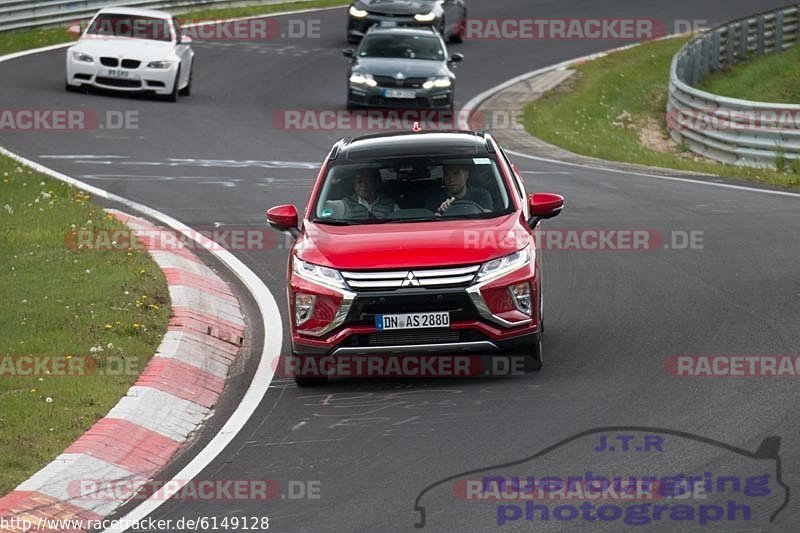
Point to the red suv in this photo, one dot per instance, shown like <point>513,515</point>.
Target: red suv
<point>415,243</point>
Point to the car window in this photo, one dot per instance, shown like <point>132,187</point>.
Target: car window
<point>117,25</point>
<point>411,189</point>
<point>402,46</point>
<point>177,26</point>
<point>517,179</point>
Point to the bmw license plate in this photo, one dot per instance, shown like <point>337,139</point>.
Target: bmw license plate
<point>399,93</point>
<point>117,73</point>
<point>438,319</point>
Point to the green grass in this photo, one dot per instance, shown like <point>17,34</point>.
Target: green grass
<point>58,301</point>
<point>628,88</point>
<point>746,80</point>
<point>18,40</point>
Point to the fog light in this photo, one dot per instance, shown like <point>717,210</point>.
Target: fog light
<point>521,296</point>
<point>303,307</point>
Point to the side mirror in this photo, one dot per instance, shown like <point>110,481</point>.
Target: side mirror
<point>185,39</point>
<point>349,52</point>
<point>284,218</point>
<point>544,205</point>
<point>74,29</point>
<point>456,58</point>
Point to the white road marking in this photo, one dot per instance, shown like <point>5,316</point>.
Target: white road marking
<point>545,172</point>
<point>185,162</point>
<point>480,98</point>
<point>81,156</point>
<point>658,177</point>
<point>272,342</point>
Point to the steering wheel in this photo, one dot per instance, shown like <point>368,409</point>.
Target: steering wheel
<point>463,207</point>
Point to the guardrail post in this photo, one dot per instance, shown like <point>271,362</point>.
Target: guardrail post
<point>743,26</point>
<point>779,32</point>
<point>760,35</point>
<point>715,38</point>
<point>730,45</point>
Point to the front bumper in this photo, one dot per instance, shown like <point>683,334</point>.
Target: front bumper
<point>482,320</point>
<point>139,79</point>
<point>364,96</point>
<point>358,27</point>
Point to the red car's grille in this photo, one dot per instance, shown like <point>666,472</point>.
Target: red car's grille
<point>417,277</point>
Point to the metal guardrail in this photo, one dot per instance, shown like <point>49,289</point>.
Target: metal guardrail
<point>19,14</point>
<point>731,130</point>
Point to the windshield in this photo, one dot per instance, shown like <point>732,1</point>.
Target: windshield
<point>402,46</point>
<point>412,190</point>
<point>114,25</point>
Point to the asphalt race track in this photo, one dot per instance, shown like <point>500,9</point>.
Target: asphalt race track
<point>613,317</point>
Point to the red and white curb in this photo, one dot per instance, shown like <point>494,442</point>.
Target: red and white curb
<point>173,395</point>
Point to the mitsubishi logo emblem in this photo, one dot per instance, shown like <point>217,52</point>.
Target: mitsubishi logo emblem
<point>410,281</point>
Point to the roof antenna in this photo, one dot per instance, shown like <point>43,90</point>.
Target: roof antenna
<point>415,128</point>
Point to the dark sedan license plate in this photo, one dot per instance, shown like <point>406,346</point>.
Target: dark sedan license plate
<point>399,93</point>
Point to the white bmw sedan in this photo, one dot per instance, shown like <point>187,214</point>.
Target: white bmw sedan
<point>134,50</point>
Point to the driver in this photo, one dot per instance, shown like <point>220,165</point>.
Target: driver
<point>454,179</point>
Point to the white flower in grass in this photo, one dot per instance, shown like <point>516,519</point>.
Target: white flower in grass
<point>9,209</point>
<point>48,399</point>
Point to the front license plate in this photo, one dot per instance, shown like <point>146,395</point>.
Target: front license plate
<point>399,93</point>
<point>439,319</point>
<point>117,73</point>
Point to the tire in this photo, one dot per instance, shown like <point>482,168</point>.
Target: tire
<point>186,91</point>
<point>310,381</point>
<point>457,38</point>
<point>306,380</point>
<point>173,96</point>
<point>534,361</point>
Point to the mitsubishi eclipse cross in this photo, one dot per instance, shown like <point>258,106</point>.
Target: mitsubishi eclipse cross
<point>416,243</point>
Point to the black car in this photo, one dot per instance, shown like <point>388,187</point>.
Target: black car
<point>401,68</point>
<point>447,16</point>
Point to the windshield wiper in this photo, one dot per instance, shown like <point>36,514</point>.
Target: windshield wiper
<point>332,222</point>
